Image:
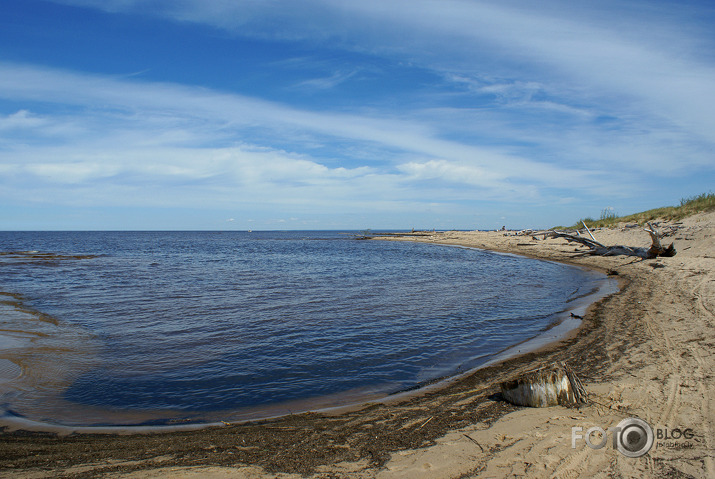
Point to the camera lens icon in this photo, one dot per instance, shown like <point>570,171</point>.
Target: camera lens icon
<point>634,437</point>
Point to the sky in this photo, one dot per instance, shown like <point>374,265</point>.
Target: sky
<point>341,114</point>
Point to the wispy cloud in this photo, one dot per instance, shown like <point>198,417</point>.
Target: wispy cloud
<point>181,115</point>
<point>21,119</point>
<point>606,54</point>
<point>527,103</point>
<point>329,81</point>
<point>153,143</point>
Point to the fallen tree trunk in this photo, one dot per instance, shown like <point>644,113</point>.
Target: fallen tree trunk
<point>655,250</point>
<point>547,386</point>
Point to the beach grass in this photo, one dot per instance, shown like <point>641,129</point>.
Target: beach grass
<point>688,206</point>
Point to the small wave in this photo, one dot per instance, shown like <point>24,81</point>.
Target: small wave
<point>172,322</point>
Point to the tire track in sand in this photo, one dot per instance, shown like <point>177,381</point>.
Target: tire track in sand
<point>702,376</point>
<point>664,343</point>
<point>702,370</point>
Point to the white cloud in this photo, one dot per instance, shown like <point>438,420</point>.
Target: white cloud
<point>636,57</point>
<point>167,144</point>
<point>545,101</point>
<point>22,119</point>
<point>452,172</point>
<point>607,49</point>
<point>328,82</point>
<point>168,115</point>
<point>69,172</point>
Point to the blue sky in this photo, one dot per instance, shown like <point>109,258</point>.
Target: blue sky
<point>327,114</point>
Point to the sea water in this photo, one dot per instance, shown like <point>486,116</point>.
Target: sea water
<point>196,325</point>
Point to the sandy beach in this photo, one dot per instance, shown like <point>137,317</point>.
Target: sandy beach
<point>646,352</point>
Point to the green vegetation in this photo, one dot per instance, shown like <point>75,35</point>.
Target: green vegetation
<point>607,214</point>
<point>688,206</point>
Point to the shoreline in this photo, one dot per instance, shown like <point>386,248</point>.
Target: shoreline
<point>645,351</point>
<point>108,421</point>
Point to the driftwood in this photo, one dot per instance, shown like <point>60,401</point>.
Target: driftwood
<point>655,250</point>
<point>547,386</point>
<point>588,230</point>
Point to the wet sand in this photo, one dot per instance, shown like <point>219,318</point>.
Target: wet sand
<point>645,352</point>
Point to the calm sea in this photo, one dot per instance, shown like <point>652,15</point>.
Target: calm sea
<point>177,325</point>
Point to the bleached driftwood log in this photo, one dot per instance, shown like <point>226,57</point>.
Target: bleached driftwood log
<point>655,250</point>
<point>547,386</point>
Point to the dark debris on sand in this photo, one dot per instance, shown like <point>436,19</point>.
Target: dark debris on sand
<point>301,443</point>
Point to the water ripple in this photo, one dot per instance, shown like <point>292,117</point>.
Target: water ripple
<point>199,321</point>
